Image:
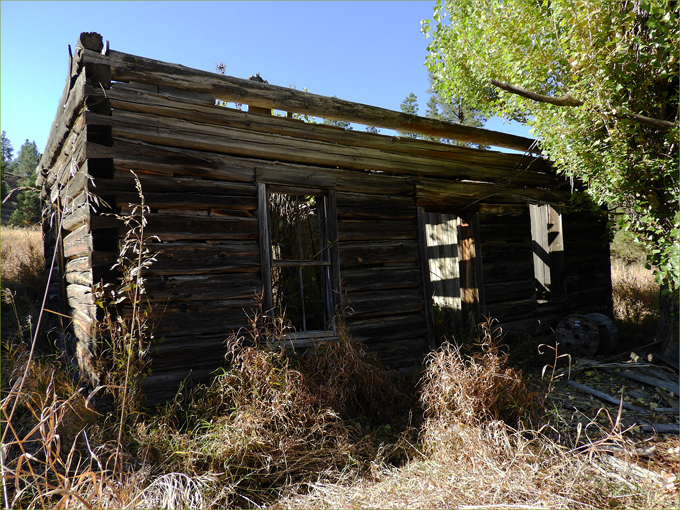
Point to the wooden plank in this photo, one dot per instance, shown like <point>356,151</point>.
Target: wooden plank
<point>373,184</point>
<point>151,103</point>
<point>125,67</point>
<point>426,277</point>
<point>125,181</point>
<point>366,230</point>
<point>496,292</point>
<point>363,201</point>
<point>360,206</point>
<point>69,108</point>
<point>507,252</point>
<point>77,213</point>
<point>138,156</point>
<point>649,381</point>
<point>75,186</point>
<point>509,310</point>
<point>381,278</point>
<point>381,304</point>
<point>203,287</point>
<point>187,258</point>
<point>603,396</point>
<point>336,299</point>
<point>68,162</point>
<point>265,246</point>
<point>508,271</point>
<point>241,142</point>
<point>189,200</point>
<point>131,92</point>
<point>189,318</point>
<point>79,271</point>
<point>356,213</point>
<point>440,243</point>
<point>178,227</point>
<point>184,162</point>
<point>456,195</point>
<point>83,326</point>
<point>548,253</point>
<point>292,176</point>
<point>386,252</point>
<point>470,266</point>
<point>388,329</point>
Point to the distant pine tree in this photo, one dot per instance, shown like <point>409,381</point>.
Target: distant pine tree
<point>455,111</point>
<point>410,106</point>
<point>28,210</point>
<point>6,162</point>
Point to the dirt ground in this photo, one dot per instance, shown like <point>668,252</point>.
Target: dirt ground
<point>638,424</point>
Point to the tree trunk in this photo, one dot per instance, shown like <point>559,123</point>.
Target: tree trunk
<point>668,327</point>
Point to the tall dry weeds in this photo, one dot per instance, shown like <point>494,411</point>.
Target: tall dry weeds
<point>349,379</point>
<point>256,428</point>
<point>472,459</point>
<point>55,453</point>
<point>473,389</point>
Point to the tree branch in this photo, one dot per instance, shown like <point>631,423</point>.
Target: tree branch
<point>648,121</point>
<point>572,101</point>
<point>557,101</point>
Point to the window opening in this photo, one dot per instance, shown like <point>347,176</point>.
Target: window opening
<point>301,259</point>
<point>548,249</point>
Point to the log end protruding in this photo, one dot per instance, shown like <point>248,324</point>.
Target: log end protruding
<point>91,41</point>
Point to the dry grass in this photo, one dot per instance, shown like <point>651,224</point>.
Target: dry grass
<point>470,459</point>
<point>305,430</point>
<point>21,247</point>
<point>23,277</point>
<point>636,299</point>
<point>348,379</point>
<point>491,468</point>
<point>472,390</point>
<point>264,425</point>
<point>54,452</point>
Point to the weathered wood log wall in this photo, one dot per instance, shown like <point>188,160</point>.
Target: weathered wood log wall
<point>199,164</point>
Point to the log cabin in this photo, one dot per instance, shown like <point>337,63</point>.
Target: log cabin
<point>256,209</point>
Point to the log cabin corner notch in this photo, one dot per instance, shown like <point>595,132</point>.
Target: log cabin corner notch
<point>390,232</point>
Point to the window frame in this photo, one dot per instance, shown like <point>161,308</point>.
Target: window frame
<point>333,296</point>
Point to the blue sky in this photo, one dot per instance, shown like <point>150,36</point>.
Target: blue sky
<point>368,52</point>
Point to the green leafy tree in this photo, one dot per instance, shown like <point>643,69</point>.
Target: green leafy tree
<point>28,210</point>
<point>597,80</point>
<point>598,83</point>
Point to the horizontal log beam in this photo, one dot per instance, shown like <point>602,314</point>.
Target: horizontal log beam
<point>126,67</point>
<point>121,98</point>
<point>186,135</point>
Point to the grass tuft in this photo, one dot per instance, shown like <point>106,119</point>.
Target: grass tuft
<point>473,389</point>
